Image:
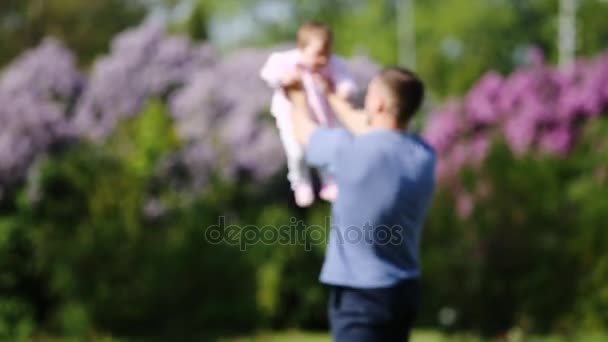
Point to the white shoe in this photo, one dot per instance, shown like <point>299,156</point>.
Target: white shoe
<point>329,192</point>
<point>304,195</point>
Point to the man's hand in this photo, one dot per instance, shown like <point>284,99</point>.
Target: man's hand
<point>356,121</point>
<point>295,93</point>
<point>303,126</point>
<point>292,78</point>
<point>325,83</point>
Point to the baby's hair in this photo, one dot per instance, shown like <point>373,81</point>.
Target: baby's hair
<point>312,30</point>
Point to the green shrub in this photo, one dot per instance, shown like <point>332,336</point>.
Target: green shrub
<point>532,252</point>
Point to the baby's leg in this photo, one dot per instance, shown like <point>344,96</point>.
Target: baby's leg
<point>298,173</point>
<point>329,189</point>
<point>297,170</point>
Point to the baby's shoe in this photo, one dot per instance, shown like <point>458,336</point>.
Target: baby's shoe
<point>303,194</point>
<point>329,192</point>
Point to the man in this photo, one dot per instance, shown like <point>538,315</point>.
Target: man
<point>385,182</point>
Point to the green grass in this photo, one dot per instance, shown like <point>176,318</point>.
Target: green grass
<point>417,336</point>
<point>298,336</point>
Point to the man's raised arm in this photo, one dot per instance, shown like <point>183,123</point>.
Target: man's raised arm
<point>354,120</point>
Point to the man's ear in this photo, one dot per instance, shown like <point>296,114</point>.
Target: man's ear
<point>381,105</point>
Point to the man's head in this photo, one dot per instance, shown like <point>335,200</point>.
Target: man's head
<point>395,94</point>
<point>314,42</point>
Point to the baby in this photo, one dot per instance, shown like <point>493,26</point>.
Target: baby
<point>310,62</point>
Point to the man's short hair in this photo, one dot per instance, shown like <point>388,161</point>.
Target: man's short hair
<point>406,91</point>
<point>311,30</point>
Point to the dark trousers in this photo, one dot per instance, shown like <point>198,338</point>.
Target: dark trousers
<point>370,315</point>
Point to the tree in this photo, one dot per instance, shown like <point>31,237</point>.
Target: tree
<point>85,26</point>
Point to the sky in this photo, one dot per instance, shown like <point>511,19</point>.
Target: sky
<point>234,25</point>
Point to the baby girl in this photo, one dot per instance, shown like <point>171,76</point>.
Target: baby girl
<point>311,61</point>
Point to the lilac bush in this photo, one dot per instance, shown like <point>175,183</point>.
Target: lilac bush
<point>219,110</point>
<point>218,103</point>
<point>144,62</point>
<point>36,91</point>
<point>535,109</point>
<point>223,108</point>
<point>480,104</point>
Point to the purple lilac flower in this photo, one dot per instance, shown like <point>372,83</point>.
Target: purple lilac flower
<point>481,102</point>
<point>602,73</point>
<point>571,103</point>
<point>35,92</point>
<point>444,126</point>
<point>479,147</point>
<point>535,108</point>
<point>557,141</point>
<point>221,107</point>
<point>144,62</point>
<point>45,72</point>
<point>218,105</point>
<point>519,132</point>
<point>584,94</point>
<point>464,205</point>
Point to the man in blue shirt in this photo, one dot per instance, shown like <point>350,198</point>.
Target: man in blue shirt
<point>385,179</point>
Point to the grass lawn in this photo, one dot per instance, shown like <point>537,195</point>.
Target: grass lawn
<point>296,336</point>
<point>417,336</point>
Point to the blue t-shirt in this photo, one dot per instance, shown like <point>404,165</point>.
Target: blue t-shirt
<point>385,182</point>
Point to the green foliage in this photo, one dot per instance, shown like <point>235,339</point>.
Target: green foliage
<point>99,263</point>
<point>532,253</point>
<point>142,142</point>
<point>16,321</point>
<point>17,283</point>
<point>197,24</point>
<point>81,257</point>
<point>359,27</point>
<point>589,192</point>
<point>299,301</point>
<point>592,34</point>
<point>457,42</point>
<point>86,26</point>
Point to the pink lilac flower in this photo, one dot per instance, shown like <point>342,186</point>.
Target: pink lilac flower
<point>35,95</point>
<point>464,205</point>
<point>557,140</point>
<point>479,147</point>
<point>480,103</point>
<point>519,132</point>
<point>444,126</point>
